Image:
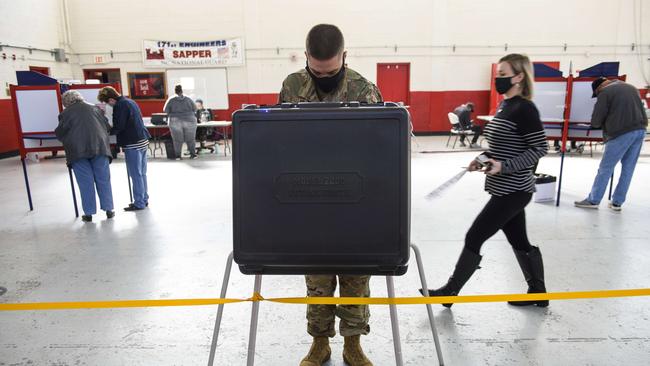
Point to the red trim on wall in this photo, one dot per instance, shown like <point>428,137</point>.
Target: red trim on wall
<point>428,110</point>
<point>41,69</point>
<point>8,135</point>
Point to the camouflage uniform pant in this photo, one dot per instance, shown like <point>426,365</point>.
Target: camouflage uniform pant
<point>354,318</point>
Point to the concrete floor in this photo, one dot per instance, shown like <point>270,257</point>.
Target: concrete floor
<point>177,249</point>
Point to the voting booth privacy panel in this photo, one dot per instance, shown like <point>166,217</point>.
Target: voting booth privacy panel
<point>36,111</point>
<point>321,188</point>
<point>37,108</point>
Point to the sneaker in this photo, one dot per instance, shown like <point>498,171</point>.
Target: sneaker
<point>193,156</point>
<point>474,145</point>
<point>110,214</point>
<point>614,206</point>
<point>133,207</point>
<point>87,218</point>
<point>585,203</point>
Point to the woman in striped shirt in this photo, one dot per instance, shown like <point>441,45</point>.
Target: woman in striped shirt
<point>517,141</point>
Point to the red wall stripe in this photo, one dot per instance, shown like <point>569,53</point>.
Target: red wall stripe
<point>8,136</point>
<point>428,110</point>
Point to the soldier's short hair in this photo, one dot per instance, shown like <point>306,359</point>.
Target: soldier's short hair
<point>324,41</point>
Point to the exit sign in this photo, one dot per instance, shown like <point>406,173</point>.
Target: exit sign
<point>99,59</point>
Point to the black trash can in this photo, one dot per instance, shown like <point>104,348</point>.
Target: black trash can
<point>169,149</point>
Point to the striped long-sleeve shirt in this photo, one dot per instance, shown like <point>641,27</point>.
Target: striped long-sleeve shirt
<point>517,139</point>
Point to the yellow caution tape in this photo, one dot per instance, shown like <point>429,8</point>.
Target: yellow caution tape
<point>327,300</point>
<point>460,299</point>
<point>115,304</point>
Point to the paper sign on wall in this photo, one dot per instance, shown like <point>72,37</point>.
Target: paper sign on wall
<point>224,52</point>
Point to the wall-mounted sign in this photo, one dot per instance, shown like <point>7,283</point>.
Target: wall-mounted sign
<point>146,85</point>
<point>224,52</point>
<point>99,59</point>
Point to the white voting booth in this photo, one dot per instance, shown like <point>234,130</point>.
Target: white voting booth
<point>36,110</point>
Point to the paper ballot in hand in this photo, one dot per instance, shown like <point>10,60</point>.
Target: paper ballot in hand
<point>438,191</point>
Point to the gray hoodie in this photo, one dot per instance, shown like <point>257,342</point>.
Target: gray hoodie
<point>618,110</point>
<point>181,108</point>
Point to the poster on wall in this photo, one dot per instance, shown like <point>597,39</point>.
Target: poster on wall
<point>224,52</point>
<point>147,85</point>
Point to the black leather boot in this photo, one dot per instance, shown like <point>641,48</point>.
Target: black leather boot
<point>532,267</point>
<point>467,263</point>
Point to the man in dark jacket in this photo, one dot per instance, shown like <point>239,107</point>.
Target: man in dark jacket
<point>619,112</point>
<point>133,138</point>
<point>464,113</point>
<point>83,130</point>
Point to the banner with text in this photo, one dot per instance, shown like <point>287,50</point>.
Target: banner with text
<point>225,52</point>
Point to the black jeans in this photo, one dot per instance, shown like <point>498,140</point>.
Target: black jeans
<point>501,213</point>
<point>477,133</point>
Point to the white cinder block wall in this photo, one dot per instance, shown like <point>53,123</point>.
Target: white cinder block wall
<point>31,23</point>
<point>417,31</point>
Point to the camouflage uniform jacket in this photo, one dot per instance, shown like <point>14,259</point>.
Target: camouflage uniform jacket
<point>299,87</point>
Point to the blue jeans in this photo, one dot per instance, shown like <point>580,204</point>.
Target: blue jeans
<point>90,173</point>
<point>626,149</point>
<point>136,165</point>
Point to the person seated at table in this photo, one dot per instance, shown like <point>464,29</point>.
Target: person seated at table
<point>203,115</point>
<point>182,122</point>
<point>574,145</point>
<point>464,112</point>
<point>84,130</point>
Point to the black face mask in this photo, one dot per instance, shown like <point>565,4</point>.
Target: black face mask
<point>503,84</point>
<point>327,83</point>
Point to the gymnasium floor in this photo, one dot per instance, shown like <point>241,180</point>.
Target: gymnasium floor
<point>178,246</point>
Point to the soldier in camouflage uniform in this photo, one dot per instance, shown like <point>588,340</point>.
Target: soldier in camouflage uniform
<point>327,79</point>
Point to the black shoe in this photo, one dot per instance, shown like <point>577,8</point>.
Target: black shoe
<point>110,214</point>
<point>133,207</point>
<point>532,267</point>
<point>193,156</point>
<point>467,263</point>
<point>87,218</point>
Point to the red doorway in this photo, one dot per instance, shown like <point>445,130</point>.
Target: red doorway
<point>43,70</point>
<point>105,76</point>
<point>394,81</point>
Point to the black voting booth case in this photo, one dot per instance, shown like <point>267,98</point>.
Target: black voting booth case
<point>321,188</point>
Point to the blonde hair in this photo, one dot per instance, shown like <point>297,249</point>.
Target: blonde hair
<point>521,64</point>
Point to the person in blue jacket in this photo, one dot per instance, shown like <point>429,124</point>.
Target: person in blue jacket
<point>133,138</point>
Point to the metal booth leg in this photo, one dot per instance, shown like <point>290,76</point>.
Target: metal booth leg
<point>29,191</point>
<point>128,180</point>
<point>217,324</point>
<point>255,312</point>
<point>423,281</point>
<point>559,183</point>
<point>74,195</point>
<point>611,185</point>
<point>394,322</point>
